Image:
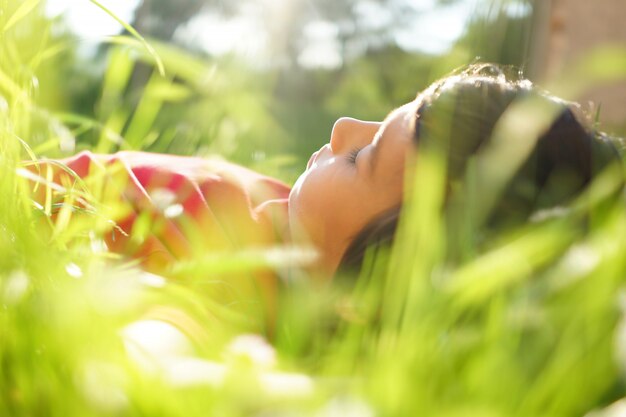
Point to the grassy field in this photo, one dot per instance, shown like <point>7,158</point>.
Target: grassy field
<point>527,323</point>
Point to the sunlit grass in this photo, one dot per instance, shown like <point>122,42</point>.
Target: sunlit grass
<point>524,323</point>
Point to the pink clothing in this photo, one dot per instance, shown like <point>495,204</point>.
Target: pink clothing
<point>167,208</point>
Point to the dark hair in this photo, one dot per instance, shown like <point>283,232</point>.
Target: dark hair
<point>460,113</point>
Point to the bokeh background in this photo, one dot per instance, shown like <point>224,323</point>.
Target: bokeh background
<point>269,77</point>
<point>528,321</point>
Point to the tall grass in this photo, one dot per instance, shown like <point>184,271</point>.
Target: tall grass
<point>526,324</point>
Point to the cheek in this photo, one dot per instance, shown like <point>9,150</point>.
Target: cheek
<point>307,196</point>
<point>301,208</point>
<point>328,205</point>
<point>319,201</point>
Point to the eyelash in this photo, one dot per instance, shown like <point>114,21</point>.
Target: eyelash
<point>352,155</point>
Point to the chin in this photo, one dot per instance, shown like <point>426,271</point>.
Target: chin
<point>297,186</point>
<point>295,208</point>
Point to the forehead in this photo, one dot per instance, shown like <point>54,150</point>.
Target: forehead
<point>400,122</point>
<point>394,138</point>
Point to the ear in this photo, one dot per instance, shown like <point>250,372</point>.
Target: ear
<point>378,233</point>
<point>566,147</point>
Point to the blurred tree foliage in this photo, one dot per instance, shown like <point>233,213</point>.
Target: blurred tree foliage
<point>289,108</point>
<point>159,19</point>
<point>512,35</point>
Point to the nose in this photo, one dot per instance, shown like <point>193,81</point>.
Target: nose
<point>351,133</point>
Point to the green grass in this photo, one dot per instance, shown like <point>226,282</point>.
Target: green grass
<point>525,325</point>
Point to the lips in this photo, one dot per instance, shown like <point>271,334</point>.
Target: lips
<point>312,159</point>
<point>316,155</point>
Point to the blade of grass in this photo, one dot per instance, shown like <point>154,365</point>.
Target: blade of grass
<point>21,12</point>
<point>132,31</point>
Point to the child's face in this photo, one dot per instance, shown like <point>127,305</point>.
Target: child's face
<point>351,180</point>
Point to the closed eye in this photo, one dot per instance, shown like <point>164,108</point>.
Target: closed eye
<point>351,157</point>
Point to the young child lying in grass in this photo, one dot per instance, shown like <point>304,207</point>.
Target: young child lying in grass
<point>164,209</point>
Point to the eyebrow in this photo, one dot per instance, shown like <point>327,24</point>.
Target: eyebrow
<point>415,125</point>
<point>375,152</point>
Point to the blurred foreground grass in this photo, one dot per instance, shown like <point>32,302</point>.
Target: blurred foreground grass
<point>528,324</point>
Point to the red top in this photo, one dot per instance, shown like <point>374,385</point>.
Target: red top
<point>165,208</point>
